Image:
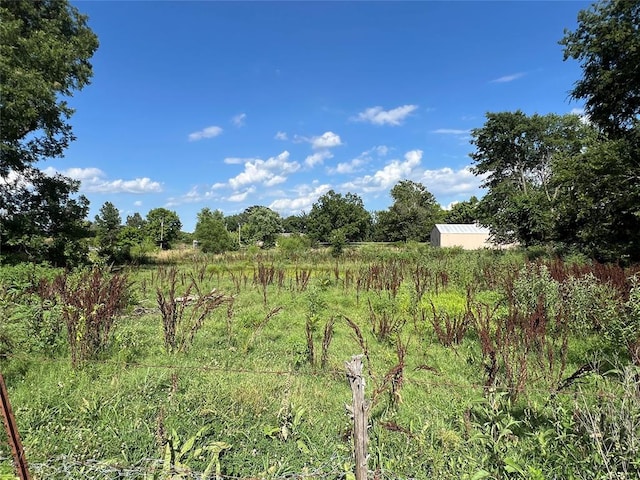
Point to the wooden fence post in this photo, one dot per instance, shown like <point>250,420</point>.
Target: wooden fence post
<point>360,415</point>
<point>19,459</point>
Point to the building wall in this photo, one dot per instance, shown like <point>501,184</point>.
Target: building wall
<point>468,241</point>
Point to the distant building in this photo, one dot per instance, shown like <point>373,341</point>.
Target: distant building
<point>467,236</point>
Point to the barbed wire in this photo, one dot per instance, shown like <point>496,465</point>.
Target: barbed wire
<point>69,468</point>
<point>321,373</point>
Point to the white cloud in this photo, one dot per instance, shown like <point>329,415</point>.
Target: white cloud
<point>508,78</point>
<point>317,158</point>
<point>381,150</point>
<point>446,181</point>
<point>275,180</point>
<point>236,160</point>
<point>281,136</point>
<point>137,203</point>
<point>93,180</point>
<point>450,131</point>
<point>379,116</point>
<point>208,132</point>
<point>361,160</point>
<point>389,175</point>
<point>326,140</point>
<point>238,120</point>
<point>305,197</point>
<point>138,185</point>
<point>264,171</point>
<point>242,196</point>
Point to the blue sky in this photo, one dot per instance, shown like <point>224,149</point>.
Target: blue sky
<point>228,105</point>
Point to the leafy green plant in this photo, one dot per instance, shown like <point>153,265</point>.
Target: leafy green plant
<point>178,454</point>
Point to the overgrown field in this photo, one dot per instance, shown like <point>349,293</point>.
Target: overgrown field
<point>477,365</point>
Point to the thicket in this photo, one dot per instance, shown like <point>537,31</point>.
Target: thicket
<point>478,364</point>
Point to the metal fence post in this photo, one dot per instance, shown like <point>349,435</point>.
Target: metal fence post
<point>17,451</point>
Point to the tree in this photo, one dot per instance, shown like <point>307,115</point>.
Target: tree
<point>135,221</point>
<point>162,226</point>
<point>107,225</point>
<point>333,211</point>
<point>45,47</point>
<point>295,223</point>
<point>42,222</point>
<point>607,43</point>
<point>463,212</point>
<point>212,234</point>
<point>45,50</point>
<point>261,225</point>
<point>412,216</point>
<point>599,202</point>
<point>516,155</point>
<point>605,184</point>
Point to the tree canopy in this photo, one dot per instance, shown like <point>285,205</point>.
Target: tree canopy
<point>45,48</point>
<point>607,44</point>
<point>261,225</point>
<point>162,226</point>
<point>412,215</point>
<point>335,211</point>
<point>211,232</point>
<point>517,155</point>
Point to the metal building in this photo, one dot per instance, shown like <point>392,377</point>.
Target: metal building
<point>467,236</point>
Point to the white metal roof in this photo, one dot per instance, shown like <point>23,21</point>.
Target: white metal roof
<point>461,228</point>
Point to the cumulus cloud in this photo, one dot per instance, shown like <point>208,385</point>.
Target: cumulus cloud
<point>265,171</point>
<point>94,180</point>
<point>303,199</point>
<point>508,78</point>
<point>241,196</point>
<point>389,175</point>
<point>326,140</point>
<point>208,132</point>
<point>238,120</point>
<point>361,160</point>
<point>379,116</point>
<point>281,136</point>
<point>317,158</point>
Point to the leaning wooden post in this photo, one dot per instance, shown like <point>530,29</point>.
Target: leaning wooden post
<point>19,459</point>
<point>360,415</point>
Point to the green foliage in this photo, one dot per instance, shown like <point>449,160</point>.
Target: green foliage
<point>162,226</point>
<point>517,153</point>
<point>45,49</point>
<point>293,246</point>
<point>45,52</point>
<point>590,305</point>
<point>412,216</point>
<point>533,287</point>
<point>211,232</point>
<point>334,211</point>
<point>607,45</point>
<point>262,226</point>
<point>623,330</point>
<point>41,222</point>
<point>463,212</point>
<point>337,241</point>
<point>247,383</point>
<point>107,226</point>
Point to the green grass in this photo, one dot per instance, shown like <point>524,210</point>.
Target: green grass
<point>253,389</point>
